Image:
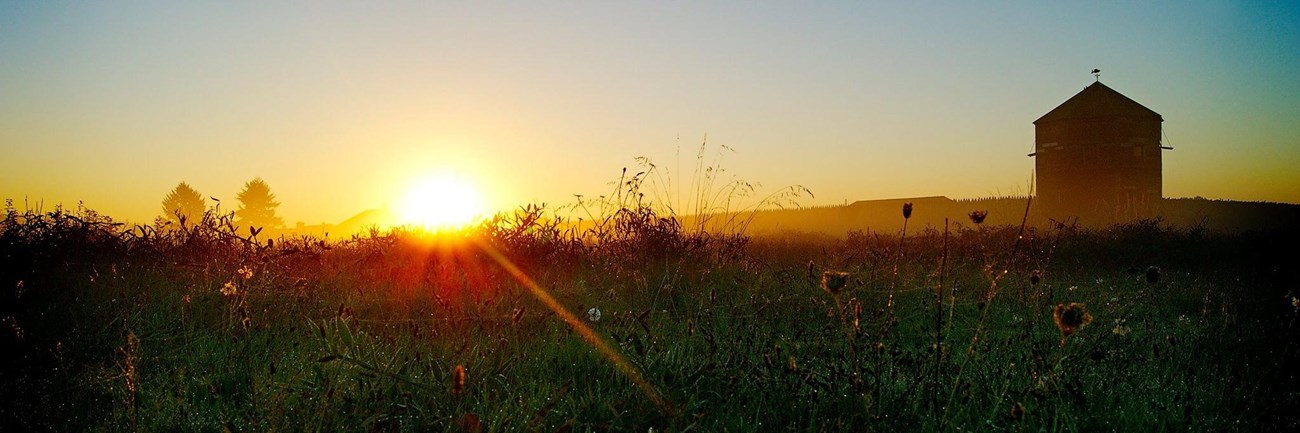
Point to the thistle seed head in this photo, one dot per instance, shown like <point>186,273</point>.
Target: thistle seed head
<point>1153,275</point>
<point>1070,318</point>
<point>834,282</point>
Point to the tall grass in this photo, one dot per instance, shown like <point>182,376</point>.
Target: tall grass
<point>111,327</point>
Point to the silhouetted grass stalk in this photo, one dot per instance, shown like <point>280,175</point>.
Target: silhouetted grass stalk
<point>893,282</point>
<point>938,324</point>
<point>987,302</point>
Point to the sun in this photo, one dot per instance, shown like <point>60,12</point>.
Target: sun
<point>442,201</point>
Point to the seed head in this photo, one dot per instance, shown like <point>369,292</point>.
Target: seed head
<point>834,282</point>
<point>857,314</point>
<point>244,272</point>
<point>18,330</point>
<point>1070,318</point>
<point>229,289</point>
<point>977,216</point>
<point>1153,275</point>
<point>1120,329</point>
<point>907,210</point>
<point>458,380</point>
<point>470,423</point>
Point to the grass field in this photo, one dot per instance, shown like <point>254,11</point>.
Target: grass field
<point>653,326</point>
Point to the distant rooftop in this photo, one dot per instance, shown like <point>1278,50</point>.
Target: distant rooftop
<point>1098,100</point>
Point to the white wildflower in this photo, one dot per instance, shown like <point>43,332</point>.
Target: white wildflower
<point>1120,328</point>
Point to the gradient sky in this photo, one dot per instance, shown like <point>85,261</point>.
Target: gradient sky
<point>339,107</point>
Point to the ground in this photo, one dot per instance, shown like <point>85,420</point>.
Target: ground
<point>110,327</point>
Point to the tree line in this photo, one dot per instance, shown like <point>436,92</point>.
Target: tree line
<point>256,205</point>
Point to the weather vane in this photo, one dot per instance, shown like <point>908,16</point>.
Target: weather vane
<point>1096,73</point>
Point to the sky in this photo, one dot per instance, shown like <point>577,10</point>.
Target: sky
<point>341,107</point>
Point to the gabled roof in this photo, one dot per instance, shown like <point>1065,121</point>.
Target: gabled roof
<point>1097,100</point>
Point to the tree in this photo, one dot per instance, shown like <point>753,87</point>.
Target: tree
<point>183,201</point>
<point>257,205</point>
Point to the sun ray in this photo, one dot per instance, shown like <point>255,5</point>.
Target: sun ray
<point>614,357</point>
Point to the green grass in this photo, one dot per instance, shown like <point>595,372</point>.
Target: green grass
<point>114,330</point>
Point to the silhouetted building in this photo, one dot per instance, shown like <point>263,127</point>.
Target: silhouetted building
<point>1097,157</point>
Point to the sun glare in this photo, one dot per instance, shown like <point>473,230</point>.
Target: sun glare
<point>442,202</point>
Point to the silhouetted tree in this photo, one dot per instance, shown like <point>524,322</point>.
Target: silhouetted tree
<point>257,205</point>
<point>184,201</point>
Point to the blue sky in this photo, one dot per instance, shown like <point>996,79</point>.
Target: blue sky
<point>340,106</point>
